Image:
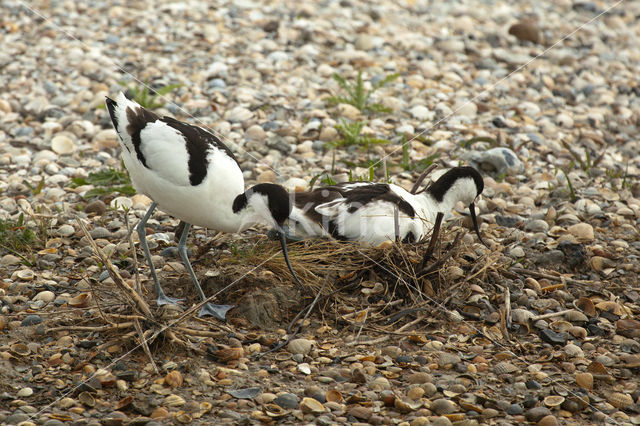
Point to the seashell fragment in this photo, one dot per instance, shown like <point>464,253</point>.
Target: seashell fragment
<point>20,349</point>
<point>611,307</point>
<point>333,395</point>
<point>311,405</point>
<point>87,399</point>
<point>620,400</point>
<point>81,300</point>
<point>585,380</point>
<point>553,401</point>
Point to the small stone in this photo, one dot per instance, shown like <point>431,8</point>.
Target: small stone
<point>268,176</point>
<point>573,351</point>
<point>391,351</point>
<point>65,231</point>
<point>363,42</point>
<point>582,231</point>
<point>489,413</point>
<point>360,412</point>
<point>300,346</point>
<point>380,383</point>
<point>287,400</point>
<point>46,296</point>
<point>442,406</point>
<point>516,252</point>
<point>328,134</point>
<point>552,337</point>
<point>15,419</point>
<point>525,30</point>
<point>500,160</point>
<point>564,120</point>
<point>549,420</point>
<point>515,409</point>
<point>238,114</point>
<point>536,413</point>
<point>24,393</point>
<point>62,145</point>
<point>255,133</point>
<point>98,207</point>
<point>31,320</point>
<point>100,232</point>
<point>348,111</point>
<point>537,225</point>
<point>419,378</point>
<point>105,139</point>
<point>9,259</point>
<point>421,112</point>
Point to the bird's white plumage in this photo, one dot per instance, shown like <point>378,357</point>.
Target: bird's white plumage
<point>165,178</point>
<point>374,221</point>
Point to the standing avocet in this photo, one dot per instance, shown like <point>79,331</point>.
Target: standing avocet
<point>366,211</point>
<point>190,174</point>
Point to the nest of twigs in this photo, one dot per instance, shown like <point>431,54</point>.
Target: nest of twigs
<point>389,287</point>
<point>390,284</point>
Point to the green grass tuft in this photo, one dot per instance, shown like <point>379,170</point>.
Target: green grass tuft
<point>357,95</point>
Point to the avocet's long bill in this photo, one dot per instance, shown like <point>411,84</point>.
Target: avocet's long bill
<point>472,211</point>
<point>283,242</point>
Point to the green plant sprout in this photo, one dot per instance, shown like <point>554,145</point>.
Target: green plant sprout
<point>357,95</point>
<point>106,182</point>
<point>350,134</point>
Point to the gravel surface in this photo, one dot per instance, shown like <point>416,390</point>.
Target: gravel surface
<point>547,107</point>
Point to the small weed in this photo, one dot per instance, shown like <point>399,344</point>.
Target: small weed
<point>16,238</point>
<point>357,95</point>
<point>618,174</point>
<point>572,193</point>
<point>35,190</point>
<point>148,97</point>
<point>587,163</point>
<point>409,165</point>
<point>351,135</point>
<point>106,182</point>
<point>324,178</point>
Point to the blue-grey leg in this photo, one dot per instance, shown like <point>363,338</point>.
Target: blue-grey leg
<point>217,311</point>
<point>163,299</point>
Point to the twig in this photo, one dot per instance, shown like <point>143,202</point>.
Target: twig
<point>93,294</point>
<point>432,243</point>
<point>132,247</point>
<point>421,178</point>
<point>140,303</point>
<point>91,329</point>
<point>145,347</point>
<point>443,259</point>
<point>505,317</point>
<point>396,223</point>
<point>537,274</point>
<point>385,338</point>
<point>550,315</point>
<point>201,333</point>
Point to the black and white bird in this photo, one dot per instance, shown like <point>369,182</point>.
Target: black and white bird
<point>367,211</point>
<point>190,174</point>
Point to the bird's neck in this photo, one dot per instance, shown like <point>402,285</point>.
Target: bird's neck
<point>432,206</point>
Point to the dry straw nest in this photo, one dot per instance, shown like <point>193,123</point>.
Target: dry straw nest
<point>378,289</point>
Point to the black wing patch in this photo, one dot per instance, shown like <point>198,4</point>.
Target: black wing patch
<point>359,196</point>
<point>198,141</point>
<point>440,187</point>
<point>355,197</point>
<point>137,119</point>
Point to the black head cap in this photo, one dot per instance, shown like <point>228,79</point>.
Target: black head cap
<point>278,199</point>
<point>440,187</point>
